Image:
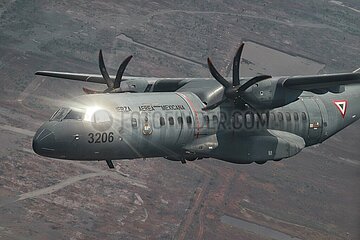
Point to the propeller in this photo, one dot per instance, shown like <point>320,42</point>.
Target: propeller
<point>233,91</point>
<point>112,85</point>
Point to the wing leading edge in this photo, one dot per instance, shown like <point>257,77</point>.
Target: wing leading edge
<point>95,78</point>
<point>303,83</point>
<point>321,81</point>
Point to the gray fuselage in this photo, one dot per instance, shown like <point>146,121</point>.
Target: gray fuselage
<point>173,125</point>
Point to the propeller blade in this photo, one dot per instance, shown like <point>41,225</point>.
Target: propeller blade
<point>120,71</point>
<point>236,66</point>
<point>240,100</point>
<point>104,72</point>
<point>234,91</point>
<point>217,75</point>
<point>89,91</point>
<point>254,109</point>
<point>252,81</point>
<point>213,106</point>
<point>108,90</point>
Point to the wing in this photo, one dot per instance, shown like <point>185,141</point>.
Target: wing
<point>304,83</point>
<point>321,81</point>
<point>146,84</point>
<point>95,78</point>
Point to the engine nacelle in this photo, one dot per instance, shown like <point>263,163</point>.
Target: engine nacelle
<point>270,94</point>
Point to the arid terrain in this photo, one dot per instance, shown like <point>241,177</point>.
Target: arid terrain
<point>314,195</point>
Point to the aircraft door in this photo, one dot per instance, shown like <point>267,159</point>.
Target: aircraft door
<point>315,121</point>
<point>141,129</point>
<point>171,131</point>
<point>185,129</point>
<point>146,132</point>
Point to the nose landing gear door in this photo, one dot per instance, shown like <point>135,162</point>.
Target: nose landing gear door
<point>315,120</point>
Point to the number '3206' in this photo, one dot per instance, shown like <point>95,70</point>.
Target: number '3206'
<point>101,137</point>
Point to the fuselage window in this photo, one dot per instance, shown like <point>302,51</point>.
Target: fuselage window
<point>206,120</point>
<point>249,118</point>
<point>280,116</point>
<point>296,116</point>
<point>239,120</point>
<point>188,120</point>
<point>180,120</point>
<point>303,116</point>
<point>134,122</point>
<point>171,120</point>
<point>288,116</point>
<point>222,117</point>
<point>236,120</point>
<point>162,121</point>
<point>76,115</point>
<point>263,117</point>
<point>215,120</point>
<point>256,118</point>
<point>272,116</point>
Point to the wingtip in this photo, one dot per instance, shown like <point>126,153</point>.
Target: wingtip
<point>41,73</point>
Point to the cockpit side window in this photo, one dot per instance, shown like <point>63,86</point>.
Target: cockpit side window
<point>76,115</point>
<point>59,114</point>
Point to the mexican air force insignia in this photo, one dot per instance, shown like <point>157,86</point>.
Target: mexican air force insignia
<point>341,106</point>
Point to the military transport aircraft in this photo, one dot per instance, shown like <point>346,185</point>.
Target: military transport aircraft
<point>238,120</point>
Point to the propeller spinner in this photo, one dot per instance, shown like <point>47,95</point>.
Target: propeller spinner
<point>233,91</point>
<point>113,85</point>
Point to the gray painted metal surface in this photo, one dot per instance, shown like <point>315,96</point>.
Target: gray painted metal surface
<point>249,120</point>
<point>281,133</point>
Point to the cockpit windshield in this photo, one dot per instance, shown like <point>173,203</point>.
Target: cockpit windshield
<point>59,114</point>
<point>74,114</point>
<point>67,113</point>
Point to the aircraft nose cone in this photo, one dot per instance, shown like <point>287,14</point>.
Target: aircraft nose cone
<point>44,142</point>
